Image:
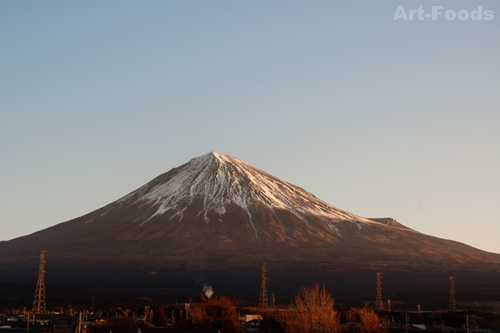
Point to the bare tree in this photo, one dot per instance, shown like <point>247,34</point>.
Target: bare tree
<point>314,311</point>
<point>216,312</point>
<point>368,321</point>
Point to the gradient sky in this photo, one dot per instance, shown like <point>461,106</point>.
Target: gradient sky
<point>374,116</point>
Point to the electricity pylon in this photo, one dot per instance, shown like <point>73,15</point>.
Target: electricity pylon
<point>379,304</point>
<point>452,295</point>
<point>39,301</point>
<point>263,302</point>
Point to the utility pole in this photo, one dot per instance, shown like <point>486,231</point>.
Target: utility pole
<point>379,304</point>
<point>407,321</point>
<point>39,301</point>
<point>263,301</point>
<point>79,327</point>
<point>452,295</point>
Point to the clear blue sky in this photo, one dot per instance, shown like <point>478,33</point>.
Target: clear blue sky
<point>376,116</point>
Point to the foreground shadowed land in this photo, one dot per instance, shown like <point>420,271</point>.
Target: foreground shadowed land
<point>406,289</point>
<point>312,310</point>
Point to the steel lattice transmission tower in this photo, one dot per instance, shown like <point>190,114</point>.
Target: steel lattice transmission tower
<point>263,301</point>
<point>452,295</point>
<point>39,301</point>
<point>379,304</point>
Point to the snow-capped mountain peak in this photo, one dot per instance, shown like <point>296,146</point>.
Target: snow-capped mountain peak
<point>222,180</point>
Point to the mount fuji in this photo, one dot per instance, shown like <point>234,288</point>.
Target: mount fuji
<point>215,218</point>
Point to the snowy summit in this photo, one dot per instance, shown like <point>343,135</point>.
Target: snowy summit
<point>223,180</point>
